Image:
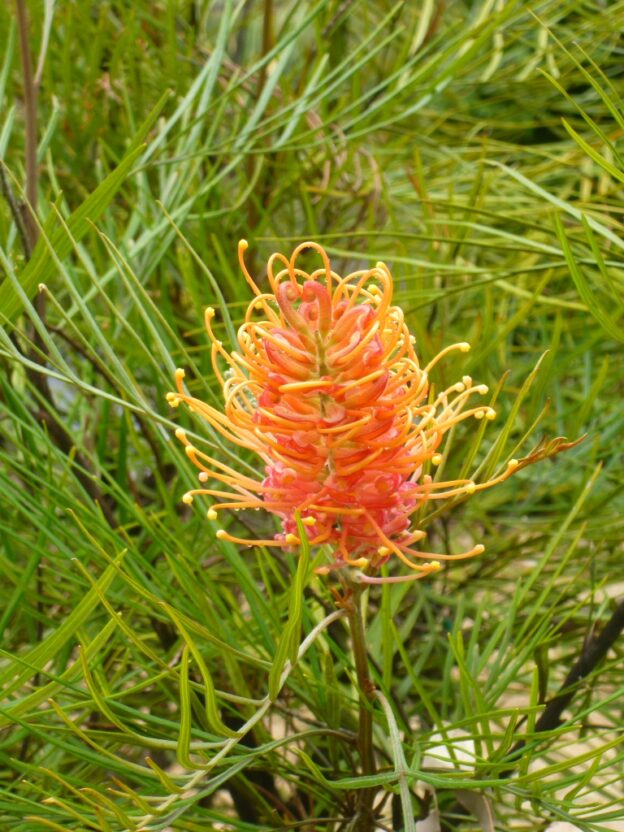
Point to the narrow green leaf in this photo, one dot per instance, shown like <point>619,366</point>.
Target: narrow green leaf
<point>39,655</point>
<point>213,717</point>
<point>614,329</point>
<point>184,737</point>
<point>289,642</point>
<point>41,694</point>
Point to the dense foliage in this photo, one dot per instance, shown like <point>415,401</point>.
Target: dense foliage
<point>475,148</point>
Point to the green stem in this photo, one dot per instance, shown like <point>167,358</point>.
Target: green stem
<point>365,819</point>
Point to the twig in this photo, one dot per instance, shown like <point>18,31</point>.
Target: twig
<point>591,655</point>
<point>14,207</point>
<point>30,115</point>
<point>268,39</point>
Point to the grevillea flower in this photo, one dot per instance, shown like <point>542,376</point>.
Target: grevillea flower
<point>326,388</point>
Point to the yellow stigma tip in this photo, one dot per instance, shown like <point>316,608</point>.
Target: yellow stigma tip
<point>243,244</point>
<point>434,565</point>
<point>179,373</point>
<point>180,434</point>
<point>362,563</point>
<point>479,549</point>
<point>470,488</point>
<point>211,514</point>
<point>482,389</point>
<point>210,313</point>
<point>383,551</point>
<point>221,534</point>
<point>513,463</point>
<point>464,346</point>
<point>436,459</point>
<point>490,413</point>
<point>188,499</point>
<point>308,521</point>
<point>292,539</point>
<point>189,450</point>
<point>202,476</point>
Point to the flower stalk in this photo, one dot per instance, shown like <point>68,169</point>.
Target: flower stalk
<point>366,692</point>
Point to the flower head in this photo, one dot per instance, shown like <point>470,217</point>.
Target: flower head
<point>326,388</point>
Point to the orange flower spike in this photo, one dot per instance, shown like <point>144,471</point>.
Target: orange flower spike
<point>327,390</point>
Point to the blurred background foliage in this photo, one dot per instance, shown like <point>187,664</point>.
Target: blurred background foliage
<point>476,148</point>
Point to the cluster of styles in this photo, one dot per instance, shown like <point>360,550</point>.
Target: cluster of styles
<point>326,388</point>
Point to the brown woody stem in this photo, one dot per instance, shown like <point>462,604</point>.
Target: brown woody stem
<point>30,117</point>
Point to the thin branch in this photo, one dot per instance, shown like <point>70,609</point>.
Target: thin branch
<point>16,212</point>
<point>30,116</point>
<point>591,655</point>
